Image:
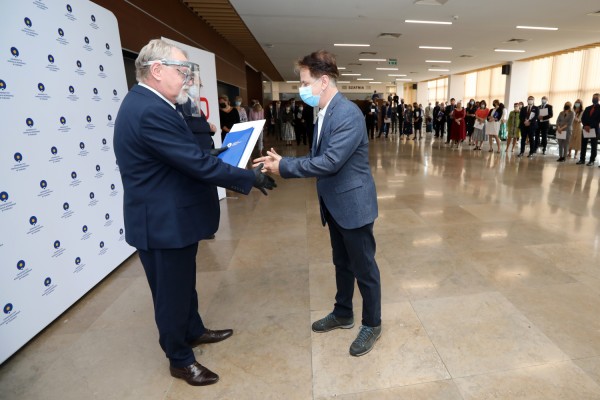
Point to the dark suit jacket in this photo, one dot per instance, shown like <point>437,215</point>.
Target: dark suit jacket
<point>550,113</point>
<point>170,197</point>
<point>592,119</point>
<point>340,162</point>
<point>524,116</point>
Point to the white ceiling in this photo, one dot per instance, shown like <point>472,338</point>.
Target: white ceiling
<point>299,27</point>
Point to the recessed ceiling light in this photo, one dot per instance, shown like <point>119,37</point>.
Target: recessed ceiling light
<point>415,21</point>
<point>386,69</point>
<point>438,70</point>
<point>540,28</point>
<point>351,45</point>
<point>341,67</point>
<point>438,61</point>
<point>372,59</point>
<point>396,74</point>
<point>404,79</point>
<point>435,47</point>
<point>375,82</point>
<point>509,51</point>
<point>292,81</point>
<point>343,81</point>
<point>364,79</point>
<point>350,74</point>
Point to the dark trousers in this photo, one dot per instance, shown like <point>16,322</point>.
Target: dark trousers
<point>527,132</point>
<point>439,128</point>
<point>354,260</point>
<point>171,274</point>
<point>542,131</point>
<point>371,130</point>
<point>448,126</point>
<point>584,144</point>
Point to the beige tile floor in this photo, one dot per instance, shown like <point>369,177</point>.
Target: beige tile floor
<point>491,290</point>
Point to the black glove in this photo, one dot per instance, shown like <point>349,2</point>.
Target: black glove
<point>262,181</point>
<point>216,152</point>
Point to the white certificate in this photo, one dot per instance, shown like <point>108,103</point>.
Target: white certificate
<point>479,125</point>
<point>543,112</point>
<point>531,116</point>
<point>561,135</point>
<point>590,135</point>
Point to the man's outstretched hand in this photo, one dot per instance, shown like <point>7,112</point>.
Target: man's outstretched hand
<point>270,162</point>
<point>262,181</point>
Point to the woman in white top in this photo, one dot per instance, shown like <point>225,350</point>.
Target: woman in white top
<point>241,110</point>
<point>492,126</point>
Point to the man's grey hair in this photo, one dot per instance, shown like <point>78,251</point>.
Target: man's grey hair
<point>156,49</point>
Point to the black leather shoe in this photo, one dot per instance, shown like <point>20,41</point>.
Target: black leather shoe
<point>580,162</point>
<point>589,164</point>
<point>211,337</point>
<point>195,374</point>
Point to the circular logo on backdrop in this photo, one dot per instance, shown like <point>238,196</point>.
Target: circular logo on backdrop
<point>101,245</point>
<point>88,118</point>
<point>65,206</point>
<point>18,157</point>
<point>2,85</point>
<point>93,18</point>
<point>109,117</point>
<point>121,231</point>
<point>69,9</point>
<point>47,281</point>
<point>41,87</point>
<point>8,308</point>
<point>77,260</point>
<point>107,46</point>
<point>112,186</point>
<point>32,220</point>
<point>57,244</point>
<point>74,175</point>
<point>14,51</point>
<point>43,184</point>
<point>104,140</point>
<point>51,58</point>
<point>115,92</point>
<point>63,120</point>
<point>97,168</point>
<point>92,195</point>
<point>95,91</point>
<point>61,33</point>
<point>53,150</point>
<point>101,68</point>
<point>27,22</point>
<point>20,265</point>
<point>107,216</point>
<point>79,64</point>
<point>29,122</point>
<point>87,40</point>
<point>81,145</point>
<point>71,89</point>
<point>84,229</point>
<point>3,196</point>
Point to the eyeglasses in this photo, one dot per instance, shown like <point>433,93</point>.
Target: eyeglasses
<point>188,75</point>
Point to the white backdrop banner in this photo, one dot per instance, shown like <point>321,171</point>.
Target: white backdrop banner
<point>61,216</point>
<point>208,94</point>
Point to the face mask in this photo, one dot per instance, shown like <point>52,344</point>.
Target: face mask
<point>238,103</point>
<point>530,102</point>
<point>516,108</point>
<point>544,101</point>
<point>223,105</point>
<point>300,108</point>
<point>287,109</point>
<point>193,92</point>
<point>595,101</point>
<point>482,106</point>
<point>471,102</point>
<point>577,105</point>
<point>308,97</point>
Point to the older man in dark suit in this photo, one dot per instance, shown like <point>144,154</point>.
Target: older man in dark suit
<point>590,118</point>
<point>170,200</point>
<point>339,159</point>
<point>528,119</point>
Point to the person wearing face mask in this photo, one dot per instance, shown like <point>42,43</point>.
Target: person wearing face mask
<point>479,130</point>
<point>544,117</point>
<point>241,110</point>
<point>228,116</point>
<point>300,125</point>
<point>448,114</point>
<point>428,118</point>
<point>513,132</point>
<point>564,125</point>
<point>590,120</point>
<point>339,160</point>
<point>528,118</point>
<point>256,114</point>
<point>287,125</point>
<point>408,121</point>
<point>270,117</point>
<point>470,118</point>
<point>170,201</point>
<point>371,118</point>
<point>492,127</point>
<point>575,142</point>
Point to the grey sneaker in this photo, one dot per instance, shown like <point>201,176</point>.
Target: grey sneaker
<point>365,341</point>
<point>331,322</point>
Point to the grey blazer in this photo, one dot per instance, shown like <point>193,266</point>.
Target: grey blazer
<point>340,162</point>
<point>565,118</point>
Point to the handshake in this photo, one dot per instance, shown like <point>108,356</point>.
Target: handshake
<point>268,163</point>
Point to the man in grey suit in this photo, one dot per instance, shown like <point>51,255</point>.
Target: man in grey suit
<point>339,159</point>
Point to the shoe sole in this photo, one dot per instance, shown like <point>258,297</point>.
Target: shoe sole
<point>372,347</point>
<point>183,378</point>
<point>334,328</point>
